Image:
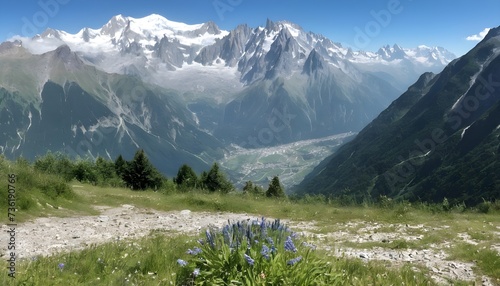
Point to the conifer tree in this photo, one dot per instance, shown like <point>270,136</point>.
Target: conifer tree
<point>275,189</point>
<point>186,177</point>
<point>215,180</point>
<point>140,173</point>
<point>120,166</point>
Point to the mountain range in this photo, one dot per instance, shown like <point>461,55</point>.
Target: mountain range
<point>185,93</point>
<point>440,139</point>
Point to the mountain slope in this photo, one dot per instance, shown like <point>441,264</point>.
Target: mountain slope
<point>439,139</point>
<point>56,102</point>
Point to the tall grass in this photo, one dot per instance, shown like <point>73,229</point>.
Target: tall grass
<point>34,191</point>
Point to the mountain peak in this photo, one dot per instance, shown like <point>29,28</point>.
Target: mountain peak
<point>313,63</point>
<point>270,26</point>
<point>114,25</point>
<point>494,32</point>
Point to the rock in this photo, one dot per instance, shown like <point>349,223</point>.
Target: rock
<point>185,212</point>
<point>363,255</point>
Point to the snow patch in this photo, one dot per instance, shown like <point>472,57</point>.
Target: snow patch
<point>463,131</point>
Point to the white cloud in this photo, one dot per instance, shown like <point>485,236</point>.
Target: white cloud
<point>478,37</point>
<point>38,45</point>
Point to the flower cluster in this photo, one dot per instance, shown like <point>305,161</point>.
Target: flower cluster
<point>289,246</point>
<point>294,261</point>
<point>249,259</point>
<point>252,244</point>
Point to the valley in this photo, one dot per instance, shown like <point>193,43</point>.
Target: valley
<point>291,162</point>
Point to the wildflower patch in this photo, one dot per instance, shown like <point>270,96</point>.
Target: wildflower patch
<point>253,252</point>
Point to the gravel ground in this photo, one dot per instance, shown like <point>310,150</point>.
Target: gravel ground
<point>47,236</point>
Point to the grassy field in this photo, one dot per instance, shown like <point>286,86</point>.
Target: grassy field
<point>137,262</point>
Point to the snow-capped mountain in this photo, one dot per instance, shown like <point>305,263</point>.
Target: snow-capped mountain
<point>152,47</point>
<point>252,87</point>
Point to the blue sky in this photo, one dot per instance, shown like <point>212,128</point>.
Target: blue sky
<point>361,24</point>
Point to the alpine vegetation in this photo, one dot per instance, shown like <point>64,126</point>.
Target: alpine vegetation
<point>253,253</point>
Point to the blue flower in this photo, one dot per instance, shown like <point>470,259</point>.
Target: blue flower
<point>227,235</point>
<point>210,238</point>
<point>194,251</point>
<point>289,246</point>
<point>61,266</point>
<point>263,228</point>
<point>273,249</point>
<point>181,262</point>
<point>270,240</point>
<point>196,272</point>
<point>249,259</point>
<point>265,251</point>
<point>293,261</point>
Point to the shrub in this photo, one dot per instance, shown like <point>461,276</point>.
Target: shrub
<point>253,252</point>
<point>253,189</point>
<point>484,207</point>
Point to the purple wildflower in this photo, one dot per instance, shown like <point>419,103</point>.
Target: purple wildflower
<point>263,228</point>
<point>270,240</point>
<point>249,259</point>
<point>210,238</point>
<point>196,272</point>
<point>61,266</point>
<point>194,251</point>
<point>289,246</point>
<point>181,262</point>
<point>265,251</point>
<point>294,261</point>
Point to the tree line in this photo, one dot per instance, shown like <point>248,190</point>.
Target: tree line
<point>140,174</point>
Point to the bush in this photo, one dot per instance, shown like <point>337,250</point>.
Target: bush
<point>55,164</point>
<point>250,253</point>
<point>54,188</point>
<point>484,207</point>
<point>252,189</point>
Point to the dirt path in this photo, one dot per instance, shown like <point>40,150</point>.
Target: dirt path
<point>46,236</point>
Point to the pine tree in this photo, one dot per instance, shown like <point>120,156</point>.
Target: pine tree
<point>275,189</point>
<point>120,166</point>
<point>140,173</point>
<point>186,177</point>
<point>215,180</point>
